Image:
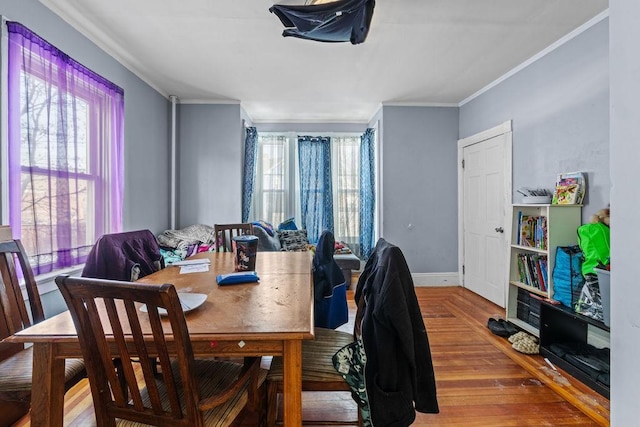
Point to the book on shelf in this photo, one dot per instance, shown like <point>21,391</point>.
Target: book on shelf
<point>532,231</point>
<point>521,271</point>
<point>519,228</point>
<point>571,188</point>
<point>541,284</point>
<point>532,271</point>
<point>526,231</point>
<point>545,275</point>
<point>567,194</point>
<point>541,232</point>
<point>528,279</point>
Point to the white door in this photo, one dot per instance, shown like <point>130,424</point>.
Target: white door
<point>486,196</point>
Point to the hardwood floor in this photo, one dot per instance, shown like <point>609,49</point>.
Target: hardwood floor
<point>481,380</point>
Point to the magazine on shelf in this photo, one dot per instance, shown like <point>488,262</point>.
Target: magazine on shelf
<point>571,188</point>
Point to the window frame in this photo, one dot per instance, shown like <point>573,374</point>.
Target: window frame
<point>293,180</point>
<point>95,106</point>
<point>94,103</point>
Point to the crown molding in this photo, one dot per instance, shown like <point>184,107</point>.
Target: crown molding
<point>81,24</point>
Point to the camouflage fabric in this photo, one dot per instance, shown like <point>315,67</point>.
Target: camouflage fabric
<point>349,361</point>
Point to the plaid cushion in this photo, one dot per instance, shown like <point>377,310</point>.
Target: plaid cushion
<point>213,377</point>
<point>15,371</point>
<point>316,356</point>
<point>293,240</point>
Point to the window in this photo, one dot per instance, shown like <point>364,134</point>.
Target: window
<point>273,201</point>
<point>65,152</point>
<point>346,189</point>
<point>277,192</point>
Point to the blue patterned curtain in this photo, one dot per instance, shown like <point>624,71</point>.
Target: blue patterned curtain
<point>249,172</point>
<point>367,192</point>
<point>316,198</point>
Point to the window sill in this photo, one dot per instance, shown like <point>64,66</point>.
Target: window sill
<point>46,282</point>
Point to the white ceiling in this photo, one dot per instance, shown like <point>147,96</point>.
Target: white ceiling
<point>418,52</point>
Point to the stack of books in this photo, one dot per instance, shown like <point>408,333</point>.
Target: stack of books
<point>570,189</point>
<point>532,231</point>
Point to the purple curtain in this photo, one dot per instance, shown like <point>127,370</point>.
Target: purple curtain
<point>66,131</point>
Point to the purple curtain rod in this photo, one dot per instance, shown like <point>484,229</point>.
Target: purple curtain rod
<point>17,28</point>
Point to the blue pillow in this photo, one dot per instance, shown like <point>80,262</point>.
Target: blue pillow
<point>265,226</point>
<point>288,224</point>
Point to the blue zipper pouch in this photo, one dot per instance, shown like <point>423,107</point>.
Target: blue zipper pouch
<point>240,277</point>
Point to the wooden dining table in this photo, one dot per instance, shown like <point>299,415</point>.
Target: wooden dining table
<point>269,317</point>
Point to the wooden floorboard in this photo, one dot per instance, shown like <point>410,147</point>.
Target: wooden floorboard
<point>481,380</point>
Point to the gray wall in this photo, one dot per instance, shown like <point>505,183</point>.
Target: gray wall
<point>146,131</point>
<point>210,152</point>
<point>418,180</point>
<point>560,110</point>
<point>625,158</point>
<point>419,185</point>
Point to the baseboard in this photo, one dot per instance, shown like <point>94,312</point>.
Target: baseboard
<point>435,279</point>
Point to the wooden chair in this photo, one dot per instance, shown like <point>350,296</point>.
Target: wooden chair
<point>185,392</point>
<point>16,361</point>
<point>318,373</point>
<point>226,232</point>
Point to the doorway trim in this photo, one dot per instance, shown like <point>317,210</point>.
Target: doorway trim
<point>502,129</point>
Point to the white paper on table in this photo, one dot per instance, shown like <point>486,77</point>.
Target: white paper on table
<point>192,262</point>
<point>194,268</point>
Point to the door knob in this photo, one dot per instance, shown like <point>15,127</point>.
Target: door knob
<point>499,230</point>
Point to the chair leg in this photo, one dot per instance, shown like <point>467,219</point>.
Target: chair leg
<point>10,412</point>
<point>272,403</point>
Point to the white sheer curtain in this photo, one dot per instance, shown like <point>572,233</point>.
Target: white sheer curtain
<point>273,198</point>
<point>346,189</point>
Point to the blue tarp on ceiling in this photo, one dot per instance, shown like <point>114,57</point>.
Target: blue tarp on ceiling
<point>339,21</point>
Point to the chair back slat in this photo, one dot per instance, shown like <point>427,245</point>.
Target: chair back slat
<point>118,316</point>
<point>226,232</point>
<point>15,315</point>
<point>127,377</point>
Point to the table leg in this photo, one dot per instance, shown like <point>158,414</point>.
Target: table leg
<point>47,398</point>
<point>292,384</point>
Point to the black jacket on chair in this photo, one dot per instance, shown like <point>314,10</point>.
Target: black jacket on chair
<point>399,374</point>
<point>329,286</point>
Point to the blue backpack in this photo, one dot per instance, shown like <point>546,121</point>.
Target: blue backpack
<point>567,275</point>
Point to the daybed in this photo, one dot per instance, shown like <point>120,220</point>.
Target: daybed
<point>296,241</point>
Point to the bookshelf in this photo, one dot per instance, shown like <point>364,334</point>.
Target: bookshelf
<point>536,231</point>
